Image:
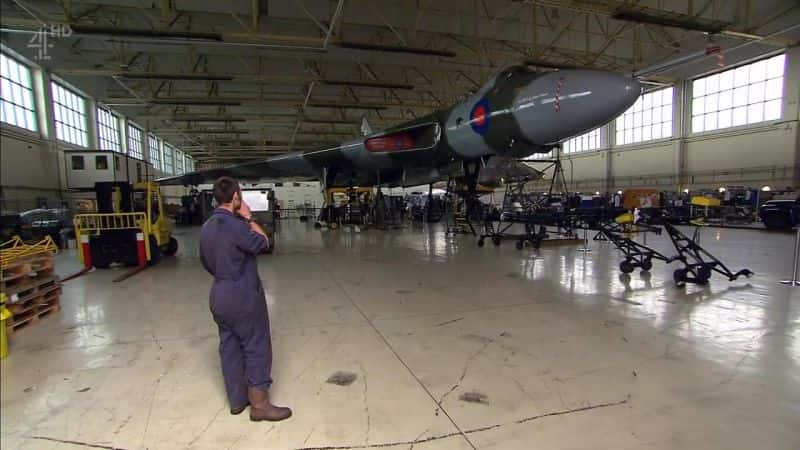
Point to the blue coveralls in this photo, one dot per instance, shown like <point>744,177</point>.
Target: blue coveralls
<point>228,250</point>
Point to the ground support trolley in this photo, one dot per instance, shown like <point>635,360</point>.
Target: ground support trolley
<point>698,262</point>
<point>636,255</point>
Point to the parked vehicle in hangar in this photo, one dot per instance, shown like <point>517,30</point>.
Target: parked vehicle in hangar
<point>124,211</point>
<point>780,214</point>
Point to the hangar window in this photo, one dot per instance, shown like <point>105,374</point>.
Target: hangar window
<point>77,162</point>
<point>135,142</point>
<point>179,162</point>
<point>155,151</point>
<point>69,111</point>
<point>101,162</point>
<point>747,94</point>
<point>169,159</point>
<point>16,94</point>
<point>535,156</point>
<point>648,119</point>
<point>189,164</point>
<point>108,130</point>
<point>585,142</point>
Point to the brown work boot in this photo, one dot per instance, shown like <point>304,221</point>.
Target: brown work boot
<point>262,409</point>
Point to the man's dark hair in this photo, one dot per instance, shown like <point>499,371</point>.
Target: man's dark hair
<point>224,188</point>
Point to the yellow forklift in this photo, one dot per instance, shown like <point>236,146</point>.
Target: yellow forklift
<point>128,215</point>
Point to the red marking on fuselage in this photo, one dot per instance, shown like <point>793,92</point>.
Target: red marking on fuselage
<point>559,85</point>
<point>479,116</point>
<point>391,143</point>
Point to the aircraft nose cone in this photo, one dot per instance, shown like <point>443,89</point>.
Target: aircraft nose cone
<point>626,90</point>
<point>572,102</point>
<point>596,97</point>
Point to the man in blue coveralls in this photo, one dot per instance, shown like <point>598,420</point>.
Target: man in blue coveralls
<point>229,243</point>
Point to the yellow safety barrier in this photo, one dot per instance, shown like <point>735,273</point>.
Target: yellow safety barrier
<point>16,249</point>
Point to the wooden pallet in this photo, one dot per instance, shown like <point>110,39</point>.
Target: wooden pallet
<point>20,270</point>
<point>34,300</point>
<point>34,310</point>
<point>20,292</point>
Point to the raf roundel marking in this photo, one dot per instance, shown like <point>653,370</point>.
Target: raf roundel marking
<point>479,116</point>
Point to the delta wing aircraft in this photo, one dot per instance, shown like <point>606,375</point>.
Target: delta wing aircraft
<point>519,112</point>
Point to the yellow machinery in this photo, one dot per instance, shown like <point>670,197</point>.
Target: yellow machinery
<point>347,206</point>
<point>130,219</point>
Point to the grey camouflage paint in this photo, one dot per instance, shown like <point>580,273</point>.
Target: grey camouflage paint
<point>519,112</point>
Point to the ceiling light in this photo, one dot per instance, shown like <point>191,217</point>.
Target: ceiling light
<point>203,131</point>
<point>395,49</point>
<point>675,20</point>
<point>138,32</point>
<point>173,76</point>
<point>346,105</point>
<point>369,84</point>
<point>205,119</point>
<point>765,188</point>
<point>193,101</point>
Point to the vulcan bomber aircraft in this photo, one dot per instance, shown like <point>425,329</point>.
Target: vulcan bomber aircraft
<point>519,112</point>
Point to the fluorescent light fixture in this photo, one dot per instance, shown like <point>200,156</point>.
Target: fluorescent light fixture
<point>674,20</point>
<point>143,33</point>
<point>346,105</point>
<point>206,119</point>
<point>193,101</point>
<point>395,49</point>
<point>369,84</point>
<point>172,76</point>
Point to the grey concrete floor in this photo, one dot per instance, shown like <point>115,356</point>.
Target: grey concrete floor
<point>453,346</point>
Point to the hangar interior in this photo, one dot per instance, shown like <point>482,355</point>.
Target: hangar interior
<point>411,336</point>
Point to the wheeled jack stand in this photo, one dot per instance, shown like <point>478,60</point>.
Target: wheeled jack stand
<point>698,263</point>
<point>636,255</point>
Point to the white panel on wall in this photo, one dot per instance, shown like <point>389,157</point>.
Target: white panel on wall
<point>651,160</point>
<point>771,147</point>
<point>28,163</point>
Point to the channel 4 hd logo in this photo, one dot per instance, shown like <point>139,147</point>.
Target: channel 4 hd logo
<point>41,41</point>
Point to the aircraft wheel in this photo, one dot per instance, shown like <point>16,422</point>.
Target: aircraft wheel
<point>480,242</point>
<point>496,240</point>
<point>626,266</point>
<point>317,225</point>
<point>520,245</point>
<point>537,244</point>
<point>647,264</point>
<point>679,276</point>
